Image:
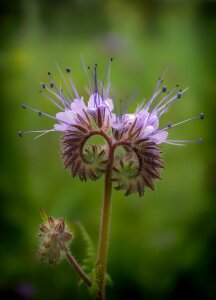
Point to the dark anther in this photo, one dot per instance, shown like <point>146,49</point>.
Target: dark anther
<point>43,85</point>
<point>51,85</point>
<point>178,95</point>
<point>23,106</point>
<point>68,70</point>
<point>40,113</point>
<point>49,73</point>
<point>88,68</point>
<point>111,59</point>
<point>202,116</point>
<point>177,85</point>
<point>169,125</point>
<point>20,133</point>
<point>200,140</point>
<point>96,65</point>
<point>180,91</point>
<point>164,89</point>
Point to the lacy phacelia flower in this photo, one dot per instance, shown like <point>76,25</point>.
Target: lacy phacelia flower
<point>55,239</point>
<point>138,134</point>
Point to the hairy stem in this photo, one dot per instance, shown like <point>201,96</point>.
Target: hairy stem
<point>77,268</point>
<point>105,226</point>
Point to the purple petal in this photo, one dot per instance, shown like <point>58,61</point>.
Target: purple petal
<point>154,121</point>
<point>147,131</point>
<point>159,137</point>
<point>66,116</point>
<point>78,105</point>
<point>60,127</point>
<point>94,101</point>
<point>109,103</point>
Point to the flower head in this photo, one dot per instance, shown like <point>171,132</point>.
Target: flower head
<point>139,134</point>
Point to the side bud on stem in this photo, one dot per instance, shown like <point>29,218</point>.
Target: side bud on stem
<point>55,240</point>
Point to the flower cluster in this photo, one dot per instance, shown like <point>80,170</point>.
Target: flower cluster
<point>139,134</point>
<point>55,239</point>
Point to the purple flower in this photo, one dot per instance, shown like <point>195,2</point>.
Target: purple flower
<point>140,133</point>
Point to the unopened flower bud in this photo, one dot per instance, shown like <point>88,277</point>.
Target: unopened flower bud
<point>60,226</point>
<point>43,228</point>
<point>51,221</point>
<point>67,236</point>
<point>55,239</point>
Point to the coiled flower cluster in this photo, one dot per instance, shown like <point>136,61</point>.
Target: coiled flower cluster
<point>138,134</point>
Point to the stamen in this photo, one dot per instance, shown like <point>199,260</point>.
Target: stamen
<point>65,81</point>
<point>85,71</point>
<point>120,109</point>
<point>51,100</point>
<point>91,73</point>
<point>41,113</point>
<point>72,83</point>
<point>116,114</point>
<point>45,132</point>
<point>128,104</point>
<point>163,100</point>
<point>201,117</point>
<point>175,144</point>
<point>158,94</point>
<point>53,93</point>
<point>22,133</point>
<point>107,71</point>
<point>154,94</point>
<point>181,142</point>
<point>167,105</point>
<point>95,79</point>
<point>186,141</point>
<point>164,89</point>
<point>61,97</point>
<point>88,90</point>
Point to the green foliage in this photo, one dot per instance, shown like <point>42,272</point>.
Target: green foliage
<point>89,261</point>
<point>88,264</point>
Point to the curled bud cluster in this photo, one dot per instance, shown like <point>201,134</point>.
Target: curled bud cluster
<point>84,161</point>
<point>55,239</point>
<point>138,168</point>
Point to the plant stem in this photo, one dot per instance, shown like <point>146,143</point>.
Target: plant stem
<point>104,227</point>
<point>77,267</point>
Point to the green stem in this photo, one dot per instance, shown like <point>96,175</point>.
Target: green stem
<point>77,268</point>
<point>105,227</point>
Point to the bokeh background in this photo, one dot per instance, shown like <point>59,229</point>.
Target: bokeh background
<point>162,246</point>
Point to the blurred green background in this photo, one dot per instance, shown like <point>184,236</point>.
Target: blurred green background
<point>162,246</point>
